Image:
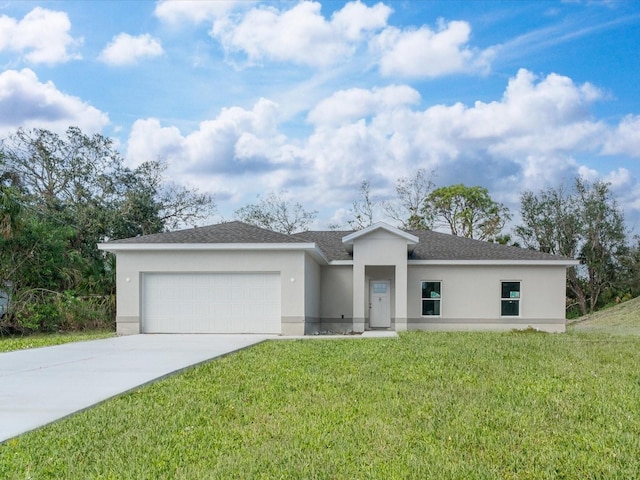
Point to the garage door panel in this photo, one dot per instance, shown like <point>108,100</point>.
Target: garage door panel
<point>211,303</point>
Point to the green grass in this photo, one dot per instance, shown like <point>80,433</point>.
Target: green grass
<point>426,405</point>
<point>10,343</point>
<point>622,319</point>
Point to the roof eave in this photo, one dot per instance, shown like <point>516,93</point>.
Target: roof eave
<point>310,248</point>
<point>487,262</point>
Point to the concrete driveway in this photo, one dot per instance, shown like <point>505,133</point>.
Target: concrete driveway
<point>42,385</point>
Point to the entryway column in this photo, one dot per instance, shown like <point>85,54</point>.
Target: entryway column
<point>358,297</point>
<point>401,297</point>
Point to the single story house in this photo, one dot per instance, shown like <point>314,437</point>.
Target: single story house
<point>237,278</point>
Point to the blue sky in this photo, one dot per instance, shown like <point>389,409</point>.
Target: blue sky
<point>310,98</point>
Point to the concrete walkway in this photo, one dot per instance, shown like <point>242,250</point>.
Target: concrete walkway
<point>42,385</point>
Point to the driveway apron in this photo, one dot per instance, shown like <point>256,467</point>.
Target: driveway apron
<point>42,385</point>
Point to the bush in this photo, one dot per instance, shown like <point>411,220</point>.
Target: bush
<point>86,312</point>
<point>40,310</point>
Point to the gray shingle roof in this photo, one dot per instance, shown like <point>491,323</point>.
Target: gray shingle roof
<point>432,245</point>
<point>229,232</point>
<point>330,242</point>
<point>444,246</point>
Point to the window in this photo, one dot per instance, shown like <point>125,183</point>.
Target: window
<point>379,287</point>
<point>510,299</point>
<point>431,298</point>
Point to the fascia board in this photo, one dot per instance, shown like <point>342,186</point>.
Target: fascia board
<point>311,248</point>
<point>536,263</point>
<point>341,262</point>
<point>532,263</point>
<point>205,246</point>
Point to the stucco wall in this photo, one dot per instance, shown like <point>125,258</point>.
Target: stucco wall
<point>131,265</point>
<point>314,295</point>
<point>471,295</point>
<point>311,295</point>
<point>336,292</point>
<point>379,248</point>
<point>311,287</point>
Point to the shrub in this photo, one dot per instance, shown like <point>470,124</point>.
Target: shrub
<point>41,310</point>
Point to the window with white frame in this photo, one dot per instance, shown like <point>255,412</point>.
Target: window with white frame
<point>431,298</point>
<point>510,299</point>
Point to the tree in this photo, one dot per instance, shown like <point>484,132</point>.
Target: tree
<point>629,275</point>
<point>604,242</point>
<point>584,223</point>
<point>149,204</point>
<point>505,239</point>
<point>467,211</point>
<point>411,193</point>
<point>39,257</point>
<point>550,222</point>
<point>82,181</point>
<point>10,204</point>
<point>361,211</point>
<point>60,195</point>
<point>276,212</point>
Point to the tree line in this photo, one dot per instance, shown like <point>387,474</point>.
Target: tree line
<point>61,195</point>
<point>581,221</point>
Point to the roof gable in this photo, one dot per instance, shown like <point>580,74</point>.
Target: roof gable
<point>349,239</point>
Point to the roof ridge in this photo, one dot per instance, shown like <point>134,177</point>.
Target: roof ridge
<point>266,230</point>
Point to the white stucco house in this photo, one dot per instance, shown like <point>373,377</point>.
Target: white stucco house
<point>237,278</point>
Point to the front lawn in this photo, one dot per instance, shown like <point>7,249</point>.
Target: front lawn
<point>37,340</point>
<point>427,405</point>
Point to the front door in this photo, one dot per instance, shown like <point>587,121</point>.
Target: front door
<point>379,304</point>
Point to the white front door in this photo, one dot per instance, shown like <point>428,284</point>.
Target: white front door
<point>379,303</point>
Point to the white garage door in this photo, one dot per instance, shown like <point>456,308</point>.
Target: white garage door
<point>211,303</point>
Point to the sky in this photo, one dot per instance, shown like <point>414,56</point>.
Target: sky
<point>309,99</point>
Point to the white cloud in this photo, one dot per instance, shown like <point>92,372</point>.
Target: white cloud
<point>148,140</point>
<point>125,49</point>
<point>236,155</point>
<point>539,133</point>
<point>625,188</point>
<point>619,179</point>
<point>532,137</point>
<point>27,102</point>
<point>195,11</point>
<point>587,173</point>
<point>356,103</point>
<point>301,34</point>
<point>552,114</point>
<point>235,141</point>
<point>42,36</point>
<point>625,139</point>
<point>425,53</point>
<point>355,18</point>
